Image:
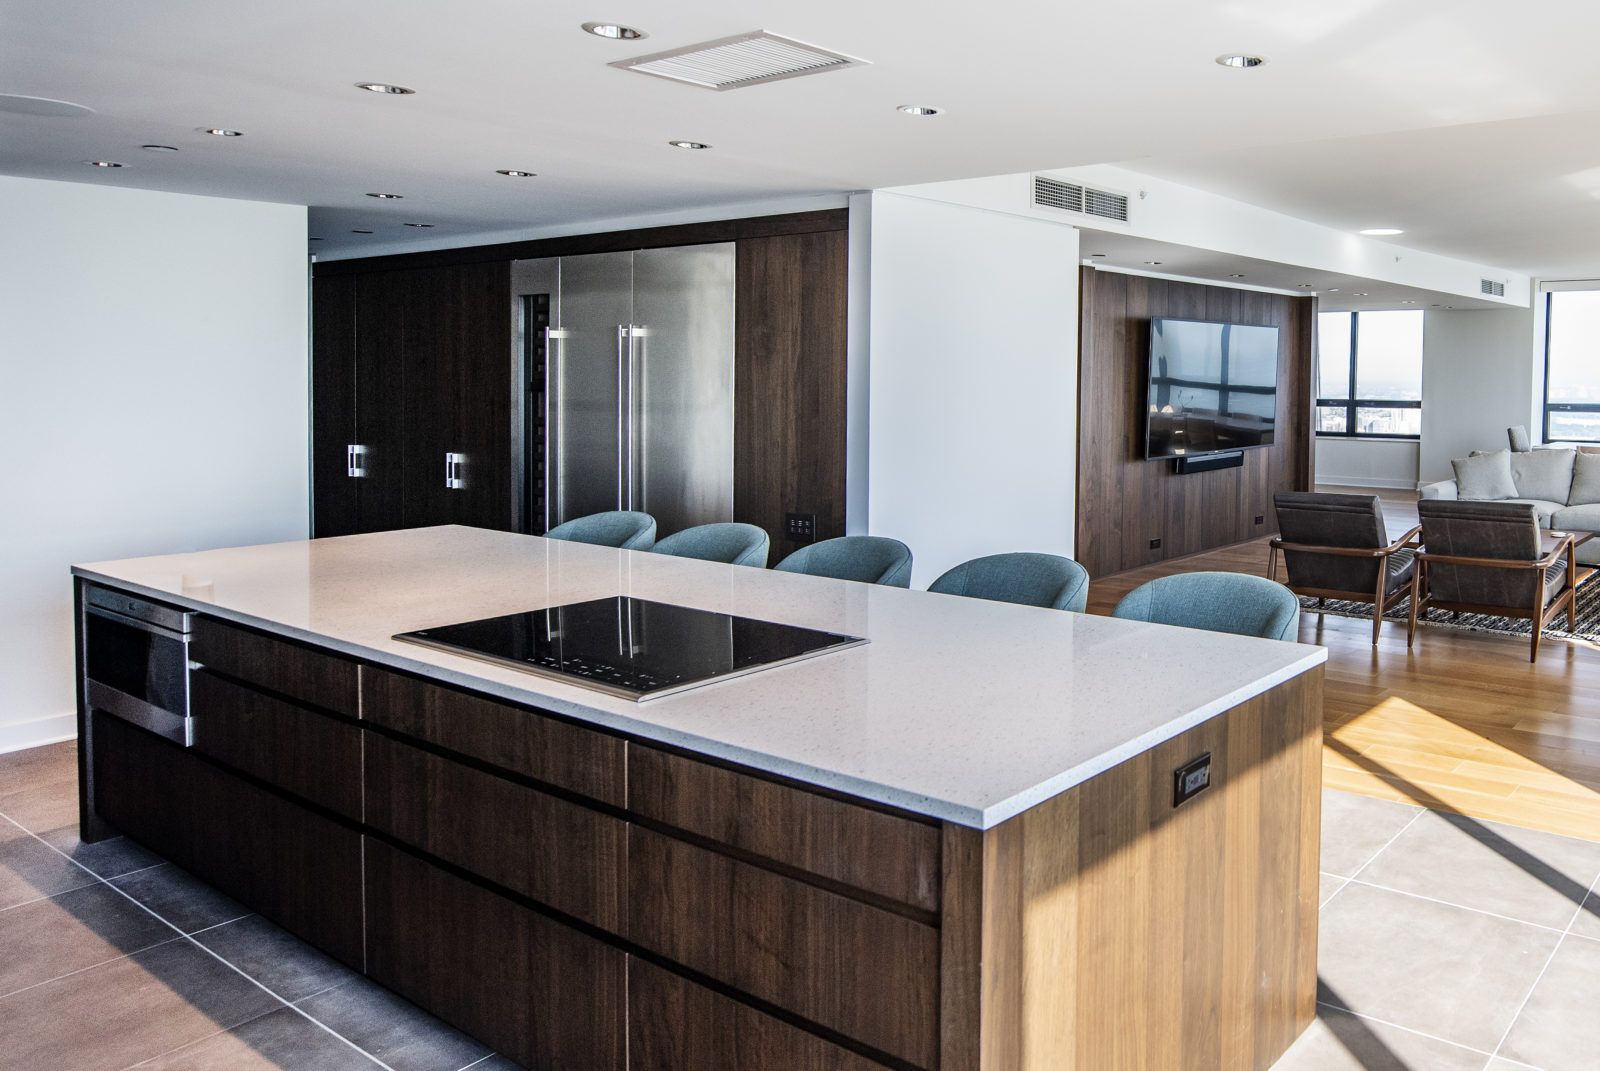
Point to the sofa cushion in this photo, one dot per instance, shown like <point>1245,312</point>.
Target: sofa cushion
<point>1543,474</point>
<point>1585,480</point>
<point>1584,518</point>
<point>1485,476</point>
<point>1543,507</point>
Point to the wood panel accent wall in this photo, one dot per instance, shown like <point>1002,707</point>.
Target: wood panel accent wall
<point>1106,928</point>
<point>1124,501</point>
<point>789,383</point>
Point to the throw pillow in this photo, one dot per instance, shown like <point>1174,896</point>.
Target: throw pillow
<point>1585,480</point>
<point>1543,474</point>
<point>1485,477</point>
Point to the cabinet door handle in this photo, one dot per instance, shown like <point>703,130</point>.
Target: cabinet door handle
<point>355,458</point>
<point>455,466</point>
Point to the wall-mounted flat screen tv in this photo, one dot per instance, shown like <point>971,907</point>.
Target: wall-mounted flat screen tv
<point>1213,387</point>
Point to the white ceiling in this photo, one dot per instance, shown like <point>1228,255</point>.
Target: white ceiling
<point>1470,124</point>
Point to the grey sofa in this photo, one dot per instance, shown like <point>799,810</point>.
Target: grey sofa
<point>1562,485</point>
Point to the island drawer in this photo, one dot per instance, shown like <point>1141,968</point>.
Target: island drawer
<point>858,846</point>
<point>289,669</point>
<point>300,751</point>
<point>551,850</point>
<point>543,994</point>
<point>676,1025</point>
<point>546,749</point>
<point>870,974</point>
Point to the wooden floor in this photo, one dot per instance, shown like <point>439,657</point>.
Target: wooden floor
<point>1461,723</point>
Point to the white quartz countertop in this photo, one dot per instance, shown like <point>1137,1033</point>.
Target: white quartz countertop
<point>961,709</point>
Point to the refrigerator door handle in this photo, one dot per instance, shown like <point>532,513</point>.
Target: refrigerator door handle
<point>637,408</point>
<point>624,407</point>
<point>555,496</point>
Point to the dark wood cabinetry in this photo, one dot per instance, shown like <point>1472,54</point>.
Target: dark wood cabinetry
<point>407,367</point>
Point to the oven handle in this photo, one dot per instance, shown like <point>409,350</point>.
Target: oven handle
<point>134,622</point>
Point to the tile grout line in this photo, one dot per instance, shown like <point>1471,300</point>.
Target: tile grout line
<point>1405,1029</point>
<point>90,967</point>
<point>1529,996</point>
<point>1459,907</point>
<point>1388,843</point>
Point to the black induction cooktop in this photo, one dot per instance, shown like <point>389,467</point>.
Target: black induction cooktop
<point>633,648</point>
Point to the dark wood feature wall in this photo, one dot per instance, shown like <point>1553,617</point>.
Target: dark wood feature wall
<point>412,356</point>
<point>616,904</point>
<point>1126,502</point>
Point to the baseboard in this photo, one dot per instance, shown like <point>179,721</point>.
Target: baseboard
<point>26,734</point>
<point>1381,482</point>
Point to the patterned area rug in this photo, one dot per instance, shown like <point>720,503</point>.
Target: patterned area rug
<point>1588,629</point>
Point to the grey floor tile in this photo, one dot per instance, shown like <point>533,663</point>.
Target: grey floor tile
<point>1389,955</point>
<point>1355,828</point>
<point>1559,1028</point>
<point>108,858</point>
<point>494,1063</point>
<point>131,1009</point>
<point>1587,922</point>
<point>395,1031</point>
<point>282,1040</point>
<point>30,868</point>
<point>1521,873</point>
<point>180,898</point>
<point>1339,1041</point>
<point>1327,885</point>
<point>46,939</point>
<point>1501,1064</point>
<point>277,959</point>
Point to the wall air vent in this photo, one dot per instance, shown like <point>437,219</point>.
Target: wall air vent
<point>746,59</point>
<point>1085,200</point>
<point>1492,288</point>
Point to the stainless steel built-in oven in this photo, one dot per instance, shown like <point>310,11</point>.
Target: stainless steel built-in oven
<point>136,661</point>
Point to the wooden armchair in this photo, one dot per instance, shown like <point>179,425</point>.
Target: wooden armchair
<point>1336,547</point>
<point>1492,558</point>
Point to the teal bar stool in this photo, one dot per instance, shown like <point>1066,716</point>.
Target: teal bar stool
<point>730,542</point>
<point>624,529</point>
<point>1218,602</point>
<point>1026,578</point>
<point>869,559</point>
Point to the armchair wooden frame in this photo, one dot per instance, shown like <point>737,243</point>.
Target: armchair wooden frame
<point>1540,615</point>
<point>1381,601</point>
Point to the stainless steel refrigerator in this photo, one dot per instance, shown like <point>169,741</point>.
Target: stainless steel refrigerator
<point>629,368</point>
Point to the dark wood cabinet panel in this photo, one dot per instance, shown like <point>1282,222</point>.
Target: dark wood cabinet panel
<point>312,676</point>
<point>141,786</point>
<point>1126,502</point>
<point>305,753</point>
<point>676,1025</point>
<point>547,996</point>
<point>333,405</point>
<point>558,853</point>
<point>580,760</point>
<point>789,383</point>
<point>881,853</point>
<point>376,368</point>
<point>867,973</point>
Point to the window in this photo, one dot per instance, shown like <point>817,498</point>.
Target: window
<point>1572,366</point>
<point>1370,374</point>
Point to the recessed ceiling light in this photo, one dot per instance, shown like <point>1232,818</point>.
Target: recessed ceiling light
<point>1236,275</point>
<point>159,148</point>
<point>1449,306</point>
<point>1333,289</point>
<point>1407,301</point>
<point>1436,305</point>
<point>418,224</point>
<point>1097,254</point>
<point>360,232</point>
<point>1303,286</point>
<point>387,196</point>
<point>1378,232</point>
<point>1359,293</point>
<point>385,87</point>
<point>1241,60</point>
<point>1153,263</point>
<point>688,145</point>
<point>314,238</point>
<point>103,163</point>
<point>919,109</point>
<point>514,173</point>
<point>221,132</point>
<point>613,32</point>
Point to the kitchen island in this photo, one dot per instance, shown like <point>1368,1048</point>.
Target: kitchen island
<point>957,846</point>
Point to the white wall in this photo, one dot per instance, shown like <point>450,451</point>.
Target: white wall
<point>1477,380</point>
<point>1373,463</point>
<point>972,380</point>
<point>155,401</point>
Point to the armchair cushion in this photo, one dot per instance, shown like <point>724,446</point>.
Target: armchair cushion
<point>1542,507</point>
<point>1330,520</point>
<point>1585,480</point>
<point>1545,475</point>
<point>1485,477</point>
<point>1502,530</point>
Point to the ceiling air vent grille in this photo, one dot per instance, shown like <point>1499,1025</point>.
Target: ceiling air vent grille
<point>1105,204</point>
<point>746,59</point>
<point>1085,200</point>
<point>1493,288</point>
<point>1053,193</point>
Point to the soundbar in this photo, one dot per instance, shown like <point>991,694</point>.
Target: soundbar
<point>1232,459</point>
